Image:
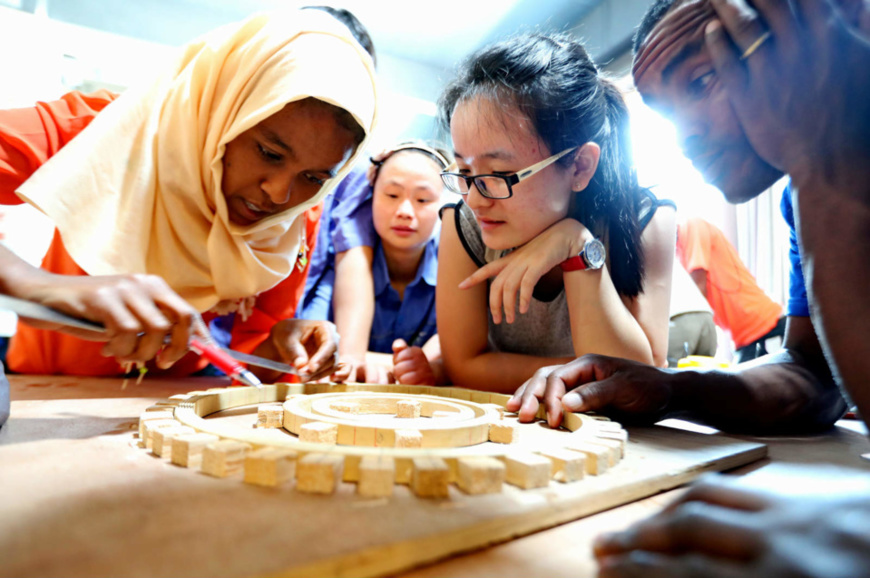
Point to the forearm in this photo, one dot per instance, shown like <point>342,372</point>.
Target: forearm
<point>600,321</point>
<point>834,228</point>
<point>432,351</point>
<point>496,371</point>
<point>354,300</point>
<point>19,278</point>
<point>779,393</point>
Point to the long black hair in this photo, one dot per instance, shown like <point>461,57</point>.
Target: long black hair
<point>552,81</point>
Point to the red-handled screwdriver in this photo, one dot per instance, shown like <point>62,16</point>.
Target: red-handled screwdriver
<point>225,363</point>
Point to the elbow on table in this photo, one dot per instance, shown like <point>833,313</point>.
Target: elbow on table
<point>805,410</point>
<point>456,370</point>
<point>815,410</point>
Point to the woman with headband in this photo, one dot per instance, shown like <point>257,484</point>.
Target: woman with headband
<point>555,251</point>
<point>400,223</point>
<point>190,195</point>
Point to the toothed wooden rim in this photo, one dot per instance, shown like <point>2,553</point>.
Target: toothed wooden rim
<point>191,410</point>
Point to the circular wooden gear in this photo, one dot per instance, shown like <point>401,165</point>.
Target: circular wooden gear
<point>376,435</point>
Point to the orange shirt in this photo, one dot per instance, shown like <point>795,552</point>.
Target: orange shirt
<point>28,138</point>
<point>739,305</point>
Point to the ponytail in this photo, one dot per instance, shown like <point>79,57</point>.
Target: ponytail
<point>616,193</point>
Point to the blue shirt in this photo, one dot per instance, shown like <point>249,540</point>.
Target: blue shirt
<point>798,304</point>
<point>346,222</point>
<point>411,318</point>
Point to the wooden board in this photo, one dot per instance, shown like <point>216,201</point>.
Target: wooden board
<point>80,499</point>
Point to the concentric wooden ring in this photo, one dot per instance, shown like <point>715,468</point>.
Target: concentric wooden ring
<point>352,432</point>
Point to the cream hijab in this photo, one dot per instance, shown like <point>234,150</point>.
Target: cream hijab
<point>139,191</point>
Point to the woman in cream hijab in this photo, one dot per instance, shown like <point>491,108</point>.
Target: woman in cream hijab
<point>193,195</point>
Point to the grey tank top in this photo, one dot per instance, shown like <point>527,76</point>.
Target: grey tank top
<point>545,330</point>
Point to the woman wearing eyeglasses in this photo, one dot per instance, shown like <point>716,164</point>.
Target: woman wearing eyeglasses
<point>555,251</point>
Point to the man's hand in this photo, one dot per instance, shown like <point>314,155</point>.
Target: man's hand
<point>718,530</point>
<point>138,311</point>
<point>635,391</point>
<point>801,95</point>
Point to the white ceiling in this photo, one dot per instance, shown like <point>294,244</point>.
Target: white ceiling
<point>437,33</point>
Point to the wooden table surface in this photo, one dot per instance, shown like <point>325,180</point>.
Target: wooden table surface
<point>557,552</point>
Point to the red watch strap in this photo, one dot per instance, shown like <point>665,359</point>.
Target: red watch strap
<point>575,263</point>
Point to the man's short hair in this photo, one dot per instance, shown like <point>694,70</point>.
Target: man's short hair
<point>353,24</point>
<point>654,13</point>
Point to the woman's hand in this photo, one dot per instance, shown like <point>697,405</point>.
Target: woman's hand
<point>361,370</point>
<point>372,170</point>
<point>309,346</point>
<point>521,270</point>
<point>348,369</point>
<point>139,312</point>
<point>410,365</point>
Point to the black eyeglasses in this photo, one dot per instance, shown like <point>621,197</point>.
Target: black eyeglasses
<point>496,186</point>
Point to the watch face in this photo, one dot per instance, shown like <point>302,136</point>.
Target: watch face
<point>595,254</point>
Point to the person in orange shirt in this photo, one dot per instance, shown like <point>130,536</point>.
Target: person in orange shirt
<point>739,305</point>
<point>195,195</point>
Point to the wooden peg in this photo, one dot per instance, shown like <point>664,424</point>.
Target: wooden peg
<point>187,449</point>
<point>319,473</point>
<point>163,413</point>
<point>270,466</point>
<point>615,447</point>
<point>223,458</point>
<point>567,466</point>
<point>480,475</point>
<point>504,433</point>
<point>527,470</point>
<point>154,424</point>
<point>407,408</point>
<point>495,407</point>
<point>608,426</point>
<point>430,478</point>
<point>376,476</point>
<point>161,439</point>
<point>597,456</point>
<point>270,415</point>
<point>620,436</point>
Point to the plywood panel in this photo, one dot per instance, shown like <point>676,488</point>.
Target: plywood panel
<point>134,514</point>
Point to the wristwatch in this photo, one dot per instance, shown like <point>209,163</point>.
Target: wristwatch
<point>592,256</point>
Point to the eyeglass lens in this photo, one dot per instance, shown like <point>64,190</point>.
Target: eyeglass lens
<point>488,186</point>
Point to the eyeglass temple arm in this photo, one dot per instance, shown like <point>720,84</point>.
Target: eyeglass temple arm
<point>543,164</point>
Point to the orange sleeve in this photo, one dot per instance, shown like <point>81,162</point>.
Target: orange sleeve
<point>31,136</point>
<point>696,245</point>
<point>279,302</point>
